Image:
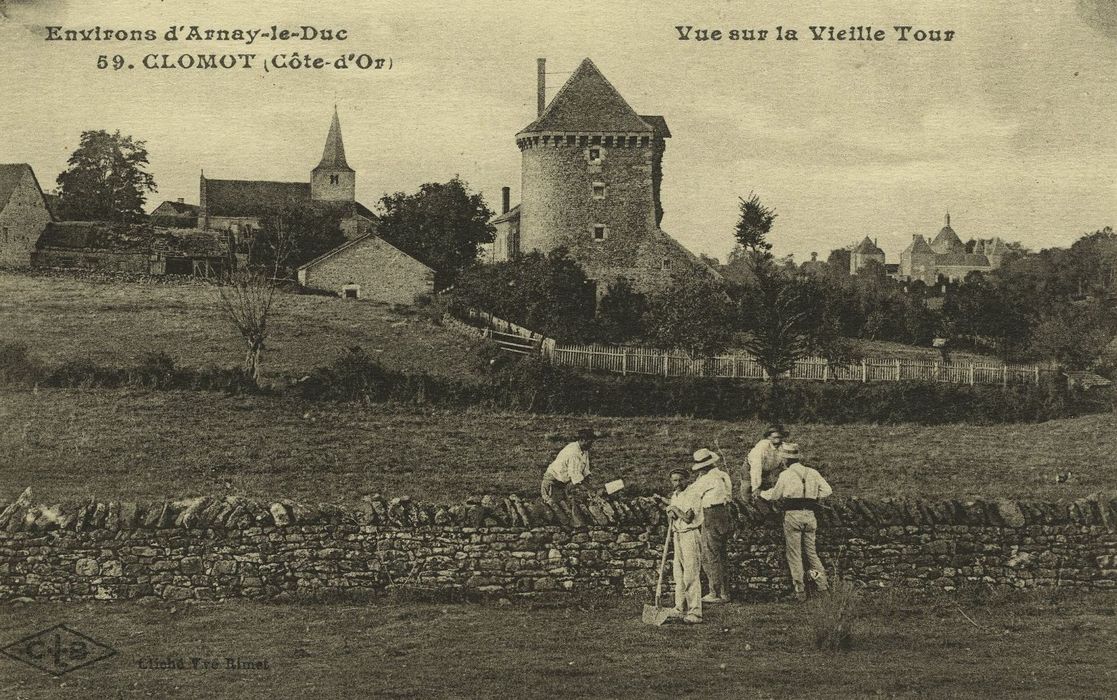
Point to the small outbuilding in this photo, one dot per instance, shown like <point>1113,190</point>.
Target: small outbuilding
<point>368,268</point>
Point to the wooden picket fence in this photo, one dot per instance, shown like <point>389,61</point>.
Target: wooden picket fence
<point>636,360</point>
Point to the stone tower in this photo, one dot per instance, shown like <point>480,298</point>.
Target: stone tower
<point>591,174</point>
<point>333,180</point>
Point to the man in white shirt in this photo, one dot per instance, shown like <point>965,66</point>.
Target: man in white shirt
<point>799,489</point>
<point>764,460</point>
<point>570,468</point>
<point>714,488</point>
<point>685,511</point>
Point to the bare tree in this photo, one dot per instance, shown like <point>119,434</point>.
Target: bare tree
<point>247,297</point>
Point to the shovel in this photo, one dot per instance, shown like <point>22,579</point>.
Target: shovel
<point>653,614</point>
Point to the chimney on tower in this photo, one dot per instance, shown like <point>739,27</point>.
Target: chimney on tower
<point>505,199</point>
<point>541,83</point>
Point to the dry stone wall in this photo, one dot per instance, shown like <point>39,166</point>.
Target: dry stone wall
<point>222,548</point>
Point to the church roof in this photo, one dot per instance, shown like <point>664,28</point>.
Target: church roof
<point>252,198</point>
<point>867,247</point>
<point>333,155</point>
<point>259,198</point>
<point>589,102</point>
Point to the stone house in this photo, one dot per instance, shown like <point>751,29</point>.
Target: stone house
<point>862,253</point>
<point>132,248</point>
<point>590,182</point>
<point>947,257</point>
<point>175,215</point>
<point>238,206</point>
<point>23,214</point>
<point>368,268</point>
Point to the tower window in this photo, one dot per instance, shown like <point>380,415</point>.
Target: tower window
<point>334,179</point>
<point>666,265</point>
<point>599,190</point>
<point>595,155</point>
<point>599,232</point>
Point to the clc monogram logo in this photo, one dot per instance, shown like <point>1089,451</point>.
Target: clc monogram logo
<point>58,650</point>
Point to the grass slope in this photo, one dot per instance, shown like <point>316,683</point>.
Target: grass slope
<point>116,323</point>
<point>135,445</point>
<point>1025,647</point>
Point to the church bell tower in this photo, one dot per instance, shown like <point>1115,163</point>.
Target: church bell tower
<point>333,180</point>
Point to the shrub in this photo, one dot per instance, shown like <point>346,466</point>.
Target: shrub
<point>155,371</point>
<point>830,616</point>
<point>353,376</point>
<point>17,366</point>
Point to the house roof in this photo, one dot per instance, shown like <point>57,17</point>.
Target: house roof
<point>867,247</point>
<point>133,238</point>
<point>181,208</point>
<point>919,245</point>
<point>10,176</point>
<point>513,213</point>
<point>54,205</point>
<point>350,244</point>
<point>333,155</point>
<point>961,259</point>
<point>589,102</point>
<point>691,257</point>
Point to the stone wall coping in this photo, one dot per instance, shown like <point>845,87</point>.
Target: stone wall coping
<point>498,511</point>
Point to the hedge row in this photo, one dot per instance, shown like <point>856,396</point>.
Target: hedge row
<point>534,386</point>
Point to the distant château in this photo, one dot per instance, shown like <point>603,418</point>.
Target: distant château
<point>947,257</point>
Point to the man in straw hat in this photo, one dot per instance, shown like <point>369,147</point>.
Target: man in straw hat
<point>713,489</point>
<point>685,512</point>
<point>764,461</point>
<point>570,467</point>
<point>799,489</point>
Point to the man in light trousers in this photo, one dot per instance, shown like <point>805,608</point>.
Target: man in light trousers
<point>799,490</point>
<point>685,510</point>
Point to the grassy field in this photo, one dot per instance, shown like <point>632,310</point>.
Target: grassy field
<point>883,349</point>
<point>136,445</point>
<point>117,323</point>
<point>1024,646</point>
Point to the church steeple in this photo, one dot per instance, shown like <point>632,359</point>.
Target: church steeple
<point>333,179</point>
<point>333,155</point>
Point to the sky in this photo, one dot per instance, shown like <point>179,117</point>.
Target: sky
<point>1009,126</point>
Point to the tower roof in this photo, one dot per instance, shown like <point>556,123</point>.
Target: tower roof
<point>589,102</point>
<point>867,247</point>
<point>333,155</point>
<point>919,245</point>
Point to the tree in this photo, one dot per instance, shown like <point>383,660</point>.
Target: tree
<point>621,313</point>
<point>694,314</point>
<point>785,314</point>
<point>303,232</point>
<point>105,179</point>
<point>442,225</point>
<point>247,297</point>
<point>549,294</point>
